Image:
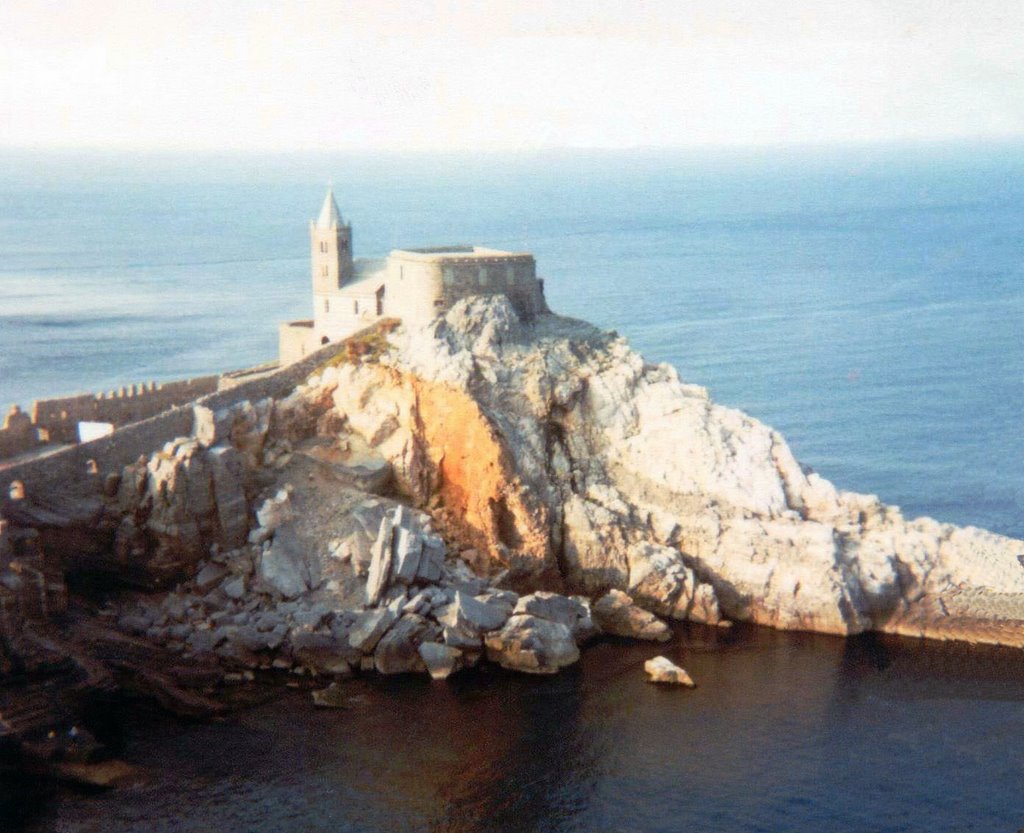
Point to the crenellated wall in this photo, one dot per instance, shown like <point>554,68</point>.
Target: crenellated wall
<point>59,417</point>
<point>18,435</point>
<point>77,468</point>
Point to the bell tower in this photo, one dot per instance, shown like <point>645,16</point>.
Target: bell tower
<point>331,246</point>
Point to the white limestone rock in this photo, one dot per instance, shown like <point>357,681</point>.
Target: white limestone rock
<point>663,670</point>
<point>286,567</point>
<point>594,468</point>
<point>618,615</point>
<point>574,613</point>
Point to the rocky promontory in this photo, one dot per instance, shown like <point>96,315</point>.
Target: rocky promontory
<point>482,489</point>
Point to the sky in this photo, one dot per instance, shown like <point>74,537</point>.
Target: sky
<point>410,75</point>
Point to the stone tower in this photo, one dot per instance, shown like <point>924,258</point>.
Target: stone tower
<point>331,244</point>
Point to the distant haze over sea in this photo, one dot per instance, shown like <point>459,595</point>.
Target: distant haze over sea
<point>867,302</point>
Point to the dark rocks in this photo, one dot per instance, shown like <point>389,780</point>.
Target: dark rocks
<point>532,645</point>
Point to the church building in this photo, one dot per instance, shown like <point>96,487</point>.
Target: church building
<point>414,285</point>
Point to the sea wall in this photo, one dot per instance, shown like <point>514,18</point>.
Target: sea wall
<point>75,469</point>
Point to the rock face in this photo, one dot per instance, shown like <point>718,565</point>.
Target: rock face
<point>558,451</point>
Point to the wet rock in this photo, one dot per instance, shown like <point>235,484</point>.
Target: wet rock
<point>532,645</point>
<point>323,652</point>
<point>441,660</point>
<point>663,670</point>
<point>618,615</point>
<point>398,650</point>
<point>332,697</point>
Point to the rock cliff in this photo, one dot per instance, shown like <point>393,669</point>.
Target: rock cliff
<point>482,488</point>
<point>557,450</point>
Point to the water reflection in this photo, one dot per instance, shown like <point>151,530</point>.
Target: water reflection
<point>785,732</point>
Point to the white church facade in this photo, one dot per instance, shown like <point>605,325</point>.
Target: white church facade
<point>413,285</point>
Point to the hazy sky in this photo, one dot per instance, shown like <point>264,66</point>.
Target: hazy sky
<point>518,74</point>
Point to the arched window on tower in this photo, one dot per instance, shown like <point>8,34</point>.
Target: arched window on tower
<point>355,307</point>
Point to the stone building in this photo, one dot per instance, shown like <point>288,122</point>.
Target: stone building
<point>414,285</point>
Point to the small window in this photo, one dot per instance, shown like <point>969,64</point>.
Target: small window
<point>355,307</point>
<point>448,275</point>
<point>343,245</point>
<point>323,270</point>
<point>327,305</point>
<point>401,272</point>
<point>483,278</point>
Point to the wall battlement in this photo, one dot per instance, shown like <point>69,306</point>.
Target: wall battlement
<point>78,467</point>
<point>55,421</point>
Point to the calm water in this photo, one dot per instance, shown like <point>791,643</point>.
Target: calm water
<point>867,303</point>
<point>785,734</point>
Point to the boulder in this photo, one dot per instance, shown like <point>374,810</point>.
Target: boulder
<point>663,670</point>
<point>398,650</point>
<point>572,612</point>
<point>532,645</point>
<point>286,567</point>
<point>380,562</point>
<point>441,660</point>
<point>407,548</point>
<point>227,467</point>
<point>618,615</point>
<point>369,627</point>
<point>473,616</point>
<point>323,653</point>
<point>209,577</point>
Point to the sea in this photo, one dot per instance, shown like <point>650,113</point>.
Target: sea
<point>866,301</point>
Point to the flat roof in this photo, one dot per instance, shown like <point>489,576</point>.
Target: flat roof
<point>457,252</point>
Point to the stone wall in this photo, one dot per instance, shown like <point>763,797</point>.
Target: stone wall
<point>295,339</point>
<point>18,434</point>
<point>59,417</point>
<point>423,283</point>
<point>69,470</point>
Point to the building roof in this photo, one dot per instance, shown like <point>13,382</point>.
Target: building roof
<point>330,216</point>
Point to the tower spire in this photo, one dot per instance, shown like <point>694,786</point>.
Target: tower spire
<point>330,216</point>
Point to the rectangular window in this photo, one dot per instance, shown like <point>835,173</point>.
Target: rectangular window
<point>323,270</point>
<point>482,278</point>
<point>327,305</point>
<point>355,307</point>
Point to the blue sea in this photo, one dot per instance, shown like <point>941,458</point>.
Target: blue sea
<point>868,302</point>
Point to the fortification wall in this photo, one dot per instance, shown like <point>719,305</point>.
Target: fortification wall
<point>18,434</point>
<point>413,286</point>
<point>59,417</point>
<point>68,471</point>
<point>423,283</point>
<point>511,275</point>
<point>295,340</point>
